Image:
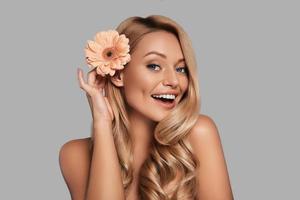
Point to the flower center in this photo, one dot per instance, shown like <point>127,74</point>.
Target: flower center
<point>109,53</point>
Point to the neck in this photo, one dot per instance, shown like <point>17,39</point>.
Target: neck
<point>141,132</point>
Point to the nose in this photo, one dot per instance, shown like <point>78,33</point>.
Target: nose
<point>170,79</point>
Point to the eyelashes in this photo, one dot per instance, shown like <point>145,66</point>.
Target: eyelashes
<point>185,70</point>
<point>154,66</point>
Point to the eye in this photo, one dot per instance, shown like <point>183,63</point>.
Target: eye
<point>183,69</point>
<point>153,66</point>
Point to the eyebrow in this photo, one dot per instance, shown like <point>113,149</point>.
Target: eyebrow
<point>162,55</point>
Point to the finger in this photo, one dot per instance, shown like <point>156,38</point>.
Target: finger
<point>82,83</point>
<point>91,77</point>
<point>100,72</point>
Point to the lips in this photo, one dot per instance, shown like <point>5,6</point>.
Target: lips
<point>164,102</point>
<point>163,99</point>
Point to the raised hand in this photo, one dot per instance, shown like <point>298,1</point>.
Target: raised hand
<point>94,88</point>
<point>104,169</point>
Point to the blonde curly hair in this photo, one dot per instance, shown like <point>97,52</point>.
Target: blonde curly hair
<point>170,153</point>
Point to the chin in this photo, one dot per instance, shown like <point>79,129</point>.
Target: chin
<point>158,116</point>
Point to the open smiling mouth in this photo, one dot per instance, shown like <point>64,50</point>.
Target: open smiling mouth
<point>169,103</point>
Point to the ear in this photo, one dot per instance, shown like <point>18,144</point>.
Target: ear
<point>118,79</point>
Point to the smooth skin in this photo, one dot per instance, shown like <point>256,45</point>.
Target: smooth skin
<point>96,175</point>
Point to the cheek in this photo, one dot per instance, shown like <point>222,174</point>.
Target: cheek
<point>133,94</point>
<point>184,84</point>
<point>138,92</point>
<point>137,89</point>
<point>138,81</point>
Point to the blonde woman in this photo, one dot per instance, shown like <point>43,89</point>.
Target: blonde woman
<point>144,144</point>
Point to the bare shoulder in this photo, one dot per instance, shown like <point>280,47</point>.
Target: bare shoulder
<point>212,170</point>
<point>204,129</point>
<point>205,139</point>
<point>74,161</point>
<point>204,125</point>
<point>81,144</point>
<point>204,133</point>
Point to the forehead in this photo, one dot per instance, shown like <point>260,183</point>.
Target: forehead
<point>160,41</point>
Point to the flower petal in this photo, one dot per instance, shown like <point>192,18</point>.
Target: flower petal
<point>99,71</point>
<point>122,45</point>
<point>96,63</point>
<point>101,39</point>
<point>113,65</point>
<point>105,68</point>
<point>112,72</point>
<point>118,62</point>
<point>93,46</point>
<point>89,53</point>
<point>125,59</point>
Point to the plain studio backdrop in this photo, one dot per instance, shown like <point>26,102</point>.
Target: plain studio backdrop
<point>248,67</point>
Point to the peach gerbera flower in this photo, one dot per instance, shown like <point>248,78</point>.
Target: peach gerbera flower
<point>109,52</point>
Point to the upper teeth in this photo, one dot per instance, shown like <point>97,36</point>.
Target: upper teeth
<point>167,96</point>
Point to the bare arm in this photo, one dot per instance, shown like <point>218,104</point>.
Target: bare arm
<point>96,177</point>
<point>105,180</point>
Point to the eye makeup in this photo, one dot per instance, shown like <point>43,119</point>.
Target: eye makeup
<point>154,66</point>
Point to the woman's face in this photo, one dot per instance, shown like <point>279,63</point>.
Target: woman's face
<point>151,73</point>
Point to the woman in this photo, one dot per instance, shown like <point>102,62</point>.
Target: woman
<point>143,147</point>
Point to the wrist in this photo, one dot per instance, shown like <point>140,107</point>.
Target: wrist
<point>102,124</point>
<point>101,118</point>
<point>101,128</point>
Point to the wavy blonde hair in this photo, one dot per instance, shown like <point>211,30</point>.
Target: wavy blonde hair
<point>170,153</point>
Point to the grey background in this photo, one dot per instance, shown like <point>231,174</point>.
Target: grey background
<point>248,57</point>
